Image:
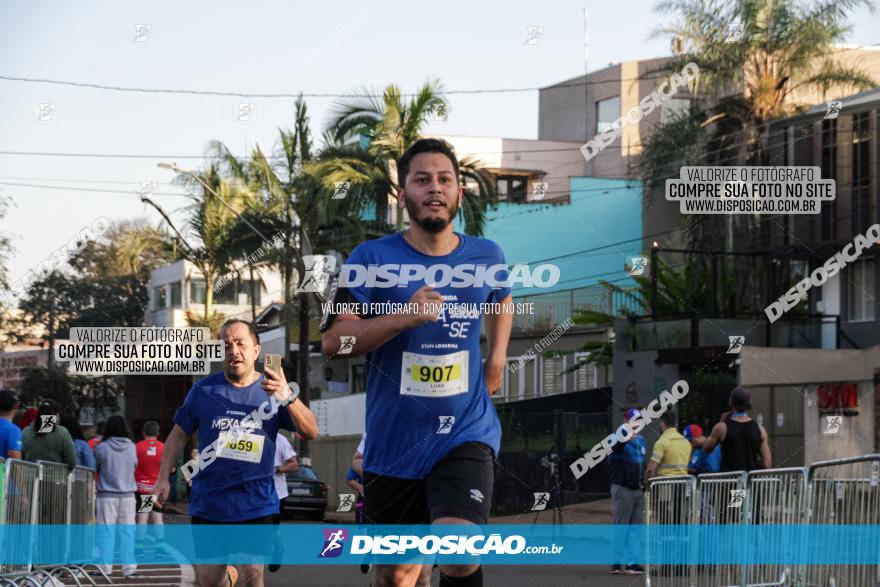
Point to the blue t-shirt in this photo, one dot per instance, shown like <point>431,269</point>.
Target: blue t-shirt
<point>415,416</point>
<point>706,463</point>
<point>627,462</point>
<point>10,437</point>
<point>230,490</point>
<point>353,476</point>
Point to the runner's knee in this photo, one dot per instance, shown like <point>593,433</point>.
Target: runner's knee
<point>395,575</point>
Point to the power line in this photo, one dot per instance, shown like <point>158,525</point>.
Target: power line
<point>76,189</point>
<point>294,95</point>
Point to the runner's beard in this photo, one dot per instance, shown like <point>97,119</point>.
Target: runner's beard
<point>240,375</point>
<point>432,223</point>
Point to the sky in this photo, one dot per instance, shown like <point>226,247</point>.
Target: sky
<point>260,47</point>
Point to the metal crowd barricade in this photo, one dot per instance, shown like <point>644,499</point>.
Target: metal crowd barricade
<point>19,507</point>
<point>777,497</point>
<point>669,502</point>
<point>81,511</point>
<point>844,491</point>
<point>721,500</point>
<point>45,493</point>
<point>53,505</point>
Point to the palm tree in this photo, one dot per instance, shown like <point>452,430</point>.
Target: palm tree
<point>755,57</point>
<point>216,204</point>
<point>296,205</point>
<point>684,291</point>
<point>365,138</point>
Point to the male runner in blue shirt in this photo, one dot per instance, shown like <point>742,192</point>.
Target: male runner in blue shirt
<point>434,432</point>
<point>10,434</point>
<point>235,486</point>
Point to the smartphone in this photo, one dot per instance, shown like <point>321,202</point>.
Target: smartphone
<point>272,362</point>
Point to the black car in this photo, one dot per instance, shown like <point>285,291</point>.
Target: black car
<point>307,495</point>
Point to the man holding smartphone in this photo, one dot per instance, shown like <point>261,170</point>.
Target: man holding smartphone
<point>434,433</point>
<point>235,484</point>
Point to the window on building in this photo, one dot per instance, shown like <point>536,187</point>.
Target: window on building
<point>233,292</point>
<point>860,291</point>
<point>607,111</point>
<point>828,162</point>
<point>175,296</point>
<point>197,291</point>
<point>160,298</point>
<point>861,172</point>
<point>512,187</point>
<point>552,375</point>
<point>243,291</point>
<point>226,293</point>
<point>585,375</point>
<point>673,109</point>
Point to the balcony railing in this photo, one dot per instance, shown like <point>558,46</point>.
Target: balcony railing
<point>552,309</point>
<point>792,331</point>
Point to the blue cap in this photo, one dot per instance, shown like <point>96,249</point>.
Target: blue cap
<point>631,413</point>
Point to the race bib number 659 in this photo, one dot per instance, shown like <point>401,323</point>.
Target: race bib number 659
<point>434,375</point>
<point>241,446</point>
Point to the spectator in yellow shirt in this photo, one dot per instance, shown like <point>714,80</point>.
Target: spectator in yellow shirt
<point>672,451</point>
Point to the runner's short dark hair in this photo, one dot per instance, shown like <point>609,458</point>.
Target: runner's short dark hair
<point>151,428</point>
<point>425,146</point>
<point>670,418</point>
<point>249,325</point>
<point>8,400</point>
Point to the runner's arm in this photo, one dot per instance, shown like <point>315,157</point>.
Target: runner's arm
<point>13,454</point>
<point>766,459</point>
<point>716,436</point>
<point>370,333</point>
<point>650,469</point>
<point>357,463</point>
<point>173,446</point>
<point>304,419</point>
<point>291,465</point>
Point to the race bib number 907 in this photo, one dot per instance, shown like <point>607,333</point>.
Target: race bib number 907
<point>434,375</point>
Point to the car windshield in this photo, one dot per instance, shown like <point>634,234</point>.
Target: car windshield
<point>303,473</point>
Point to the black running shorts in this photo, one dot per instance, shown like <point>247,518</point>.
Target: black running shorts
<point>459,486</point>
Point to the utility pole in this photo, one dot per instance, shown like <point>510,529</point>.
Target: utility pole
<point>302,366</point>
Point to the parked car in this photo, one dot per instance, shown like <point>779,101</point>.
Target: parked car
<point>307,495</point>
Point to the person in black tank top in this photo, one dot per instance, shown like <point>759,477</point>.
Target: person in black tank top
<point>741,446</point>
<point>744,443</point>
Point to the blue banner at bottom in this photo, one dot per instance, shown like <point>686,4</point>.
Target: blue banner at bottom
<point>498,544</point>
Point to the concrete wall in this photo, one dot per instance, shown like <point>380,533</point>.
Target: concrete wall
<point>766,369</point>
<point>856,436</point>
<point>331,458</point>
<point>648,379</point>
<point>784,366</point>
<point>339,416</point>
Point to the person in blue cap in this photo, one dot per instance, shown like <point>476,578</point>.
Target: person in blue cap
<point>701,462</point>
<point>627,465</point>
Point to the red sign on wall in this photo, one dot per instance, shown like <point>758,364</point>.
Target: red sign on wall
<point>839,398</point>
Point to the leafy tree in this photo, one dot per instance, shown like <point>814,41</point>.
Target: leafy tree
<point>366,137</point>
<point>73,392</point>
<point>755,58</point>
<point>216,203</point>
